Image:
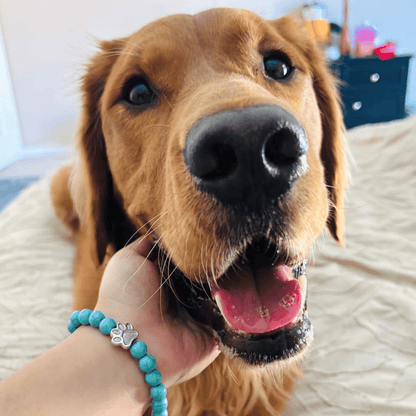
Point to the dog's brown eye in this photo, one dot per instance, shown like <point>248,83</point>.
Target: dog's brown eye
<point>278,67</point>
<point>138,93</point>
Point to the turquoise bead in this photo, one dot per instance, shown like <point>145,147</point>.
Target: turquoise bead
<point>71,327</point>
<point>160,405</point>
<point>95,318</point>
<point>106,325</point>
<point>74,318</point>
<point>147,363</point>
<point>158,392</point>
<point>84,316</point>
<point>138,349</point>
<point>153,378</point>
<point>163,413</point>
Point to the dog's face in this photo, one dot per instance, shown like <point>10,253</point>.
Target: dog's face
<point>219,137</point>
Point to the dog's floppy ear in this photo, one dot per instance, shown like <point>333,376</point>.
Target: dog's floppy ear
<point>101,208</point>
<point>333,146</point>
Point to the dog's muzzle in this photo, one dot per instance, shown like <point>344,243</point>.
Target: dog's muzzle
<point>246,160</point>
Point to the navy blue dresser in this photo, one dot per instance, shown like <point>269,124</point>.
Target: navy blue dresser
<point>372,90</point>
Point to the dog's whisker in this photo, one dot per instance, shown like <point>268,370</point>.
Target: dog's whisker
<point>218,376</point>
<point>139,241</point>
<point>135,45</point>
<point>233,376</point>
<point>196,277</point>
<point>161,300</point>
<point>315,245</point>
<point>146,258</point>
<point>136,244</point>
<point>212,260</point>
<point>166,98</point>
<point>205,269</point>
<point>164,265</point>
<point>259,376</point>
<point>185,254</point>
<point>151,296</point>
<point>212,275</point>
<point>173,291</point>
<point>273,375</point>
<point>122,52</point>
<point>148,232</point>
<point>158,216</point>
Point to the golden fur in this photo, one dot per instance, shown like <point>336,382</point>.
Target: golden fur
<point>130,174</point>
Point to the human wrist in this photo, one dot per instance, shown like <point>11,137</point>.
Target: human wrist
<point>182,350</point>
<point>152,335</point>
<point>124,335</point>
<point>113,374</point>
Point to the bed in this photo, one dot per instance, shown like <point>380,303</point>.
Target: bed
<point>362,299</point>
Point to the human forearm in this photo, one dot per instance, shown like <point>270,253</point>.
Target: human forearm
<point>83,375</point>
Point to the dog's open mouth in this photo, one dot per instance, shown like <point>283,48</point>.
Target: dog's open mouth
<point>257,309</point>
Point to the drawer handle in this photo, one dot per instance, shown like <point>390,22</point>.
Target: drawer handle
<point>357,105</point>
<point>374,77</point>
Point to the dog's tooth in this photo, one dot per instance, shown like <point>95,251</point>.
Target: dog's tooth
<point>302,282</point>
<point>218,300</point>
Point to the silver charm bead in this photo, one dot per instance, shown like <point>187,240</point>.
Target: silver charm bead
<point>124,335</point>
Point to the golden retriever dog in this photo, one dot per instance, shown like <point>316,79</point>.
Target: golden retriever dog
<point>219,138</point>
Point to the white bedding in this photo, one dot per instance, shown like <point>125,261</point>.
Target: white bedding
<point>362,299</point>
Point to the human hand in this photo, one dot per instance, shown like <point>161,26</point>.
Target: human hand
<point>131,292</point>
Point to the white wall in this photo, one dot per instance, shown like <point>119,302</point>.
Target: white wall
<point>47,42</point>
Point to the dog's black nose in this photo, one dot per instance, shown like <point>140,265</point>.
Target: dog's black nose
<point>246,155</point>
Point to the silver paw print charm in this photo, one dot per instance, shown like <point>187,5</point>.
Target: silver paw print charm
<point>124,335</point>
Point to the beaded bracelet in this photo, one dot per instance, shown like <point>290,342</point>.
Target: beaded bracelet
<point>125,336</point>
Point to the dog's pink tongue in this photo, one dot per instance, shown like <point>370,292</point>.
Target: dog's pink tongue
<point>262,304</point>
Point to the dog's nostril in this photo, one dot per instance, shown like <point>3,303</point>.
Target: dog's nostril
<point>220,162</point>
<point>272,150</point>
<point>283,148</point>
